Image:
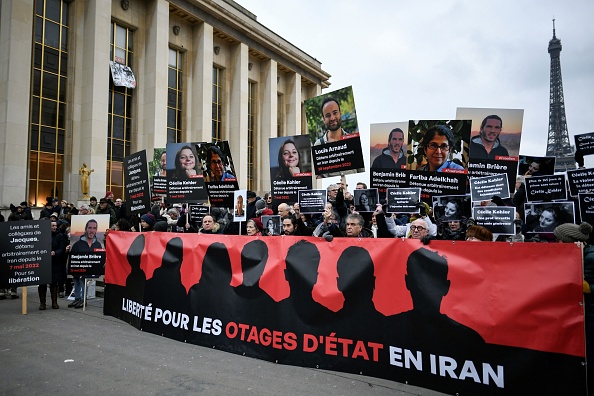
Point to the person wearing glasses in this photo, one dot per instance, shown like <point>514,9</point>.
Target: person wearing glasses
<point>422,228</point>
<point>217,163</point>
<point>487,144</point>
<point>437,145</point>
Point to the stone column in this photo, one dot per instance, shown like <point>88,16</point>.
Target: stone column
<point>153,103</point>
<point>16,38</point>
<point>267,127</point>
<point>90,95</point>
<point>200,102</point>
<point>294,102</point>
<point>238,110</point>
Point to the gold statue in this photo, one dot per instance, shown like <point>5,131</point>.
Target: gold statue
<point>84,173</point>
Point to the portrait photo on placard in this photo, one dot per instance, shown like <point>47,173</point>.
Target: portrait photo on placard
<point>451,207</point>
<point>272,225</point>
<point>365,200</point>
<point>334,134</point>
<point>438,146</point>
<point>290,157</point>
<point>529,165</point>
<point>544,217</point>
<point>240,199</point>
<point>496,133</point>
<point>388,145</point>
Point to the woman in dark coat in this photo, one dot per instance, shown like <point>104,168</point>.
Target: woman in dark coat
<point>58,252</point>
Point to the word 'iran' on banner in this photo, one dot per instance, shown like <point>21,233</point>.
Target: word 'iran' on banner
<point>455,317</point>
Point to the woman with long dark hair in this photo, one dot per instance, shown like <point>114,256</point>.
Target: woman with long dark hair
<point>289,162</point>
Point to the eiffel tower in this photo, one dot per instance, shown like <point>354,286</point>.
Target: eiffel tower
<point>558,139</point>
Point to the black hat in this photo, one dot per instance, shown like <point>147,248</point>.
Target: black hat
<point>251,194</point>
<point>102,200</point>
<point>24,203</point>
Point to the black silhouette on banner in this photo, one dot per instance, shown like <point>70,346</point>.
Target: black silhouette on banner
<point>345,306</point>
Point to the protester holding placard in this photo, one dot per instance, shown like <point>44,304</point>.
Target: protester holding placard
<point>58,252</point>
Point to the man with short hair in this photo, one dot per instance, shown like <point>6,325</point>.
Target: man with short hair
<point>104,208</point>
<point>419,229</point>
<point>289,225</point>
<point>284,210</point>
<point>332,121</point>
<point>392,157</point>
<point>487,144</point>
<point>209,226</point>
<point>361,186</point>
<point>355,227</point>
<point>119,208</point>
<point>294,226</point>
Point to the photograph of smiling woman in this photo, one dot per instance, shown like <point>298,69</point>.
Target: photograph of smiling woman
<point>437,146</point>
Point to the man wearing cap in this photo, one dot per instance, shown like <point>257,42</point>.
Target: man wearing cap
<point>109,196</point>
<point>27,215</point>
<point>251,204</point>
<point>104,208</point>
<point>147,222</point>
<point>46,212</point>
<point>119,209</point>
<point>93,205</point>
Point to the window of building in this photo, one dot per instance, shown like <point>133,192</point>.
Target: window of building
<point>48,101</point>
<point>252,139</point>
<point>217,103</point>
<point>119,112</point>
<point>174,96</point>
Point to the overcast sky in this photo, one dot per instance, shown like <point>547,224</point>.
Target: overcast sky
<point>422,60</point>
